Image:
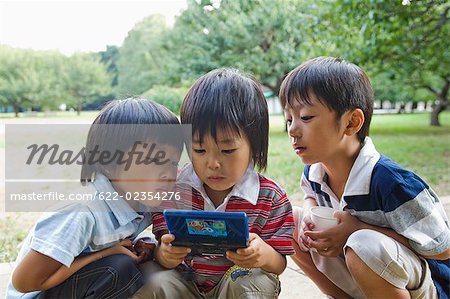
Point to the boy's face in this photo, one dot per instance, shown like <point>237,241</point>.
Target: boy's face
<point>152,173</point>
<point>315,133</point>
<point>220,165</point>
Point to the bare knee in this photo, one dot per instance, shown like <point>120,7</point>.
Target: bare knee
<point>354,264</point>
<point>297,213</point>
<point>302,257</point>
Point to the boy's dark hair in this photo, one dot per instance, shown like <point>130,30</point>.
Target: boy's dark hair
<point>338,84</point>
<point>123,123</point>
<point>228,99</point>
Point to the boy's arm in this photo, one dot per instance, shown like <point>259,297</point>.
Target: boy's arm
<point>170,256</point>
<point>33,271</point>
<point>165,254</point>
<point>442,256</point>
<point>275,262</point>
<point>56,239</point>
<point>268,248</point>
<point>258,254</point>
<point>38,272</point>
<point>416,213</point>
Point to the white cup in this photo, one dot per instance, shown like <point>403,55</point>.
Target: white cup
<point>322,217</point>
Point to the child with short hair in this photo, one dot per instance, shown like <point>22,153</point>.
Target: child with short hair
<point>229,117</point>
<point>393,237</point>
<point>86,249</point>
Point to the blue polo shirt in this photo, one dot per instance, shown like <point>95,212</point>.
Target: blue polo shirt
<point>380,192</point>
<point>82,228</point>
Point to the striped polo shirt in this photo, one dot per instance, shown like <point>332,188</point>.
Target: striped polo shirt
<point>268,210</point>
<point>380,192</point>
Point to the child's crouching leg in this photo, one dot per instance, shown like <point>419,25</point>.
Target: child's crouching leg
<point>247,283</point>
<point>384,268</point>
<point>165,284</point>
<point>114,276</point>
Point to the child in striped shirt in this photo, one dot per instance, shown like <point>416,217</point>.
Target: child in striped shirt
<point>229,118</point>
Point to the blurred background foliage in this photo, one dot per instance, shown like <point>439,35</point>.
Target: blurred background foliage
<point>403,48</point>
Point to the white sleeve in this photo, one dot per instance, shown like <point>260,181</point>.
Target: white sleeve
<point>147,236</point>
<point>63,235</point>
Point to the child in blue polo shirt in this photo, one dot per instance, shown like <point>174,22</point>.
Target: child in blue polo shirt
<point>393,237</point>
<point>86,250</point>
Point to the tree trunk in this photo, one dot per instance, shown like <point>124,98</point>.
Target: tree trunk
<point>277,93</point>
<point>79,109</point>
<point>442,101</point>
<point>438,108</point>
<point>16,109</point>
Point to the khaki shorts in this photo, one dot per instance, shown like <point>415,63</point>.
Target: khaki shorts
<point>237,283</point>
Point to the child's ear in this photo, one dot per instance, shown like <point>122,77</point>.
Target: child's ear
<point>355,120</point>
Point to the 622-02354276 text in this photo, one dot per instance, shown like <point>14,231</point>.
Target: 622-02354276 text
<point>57,196</point>
<point>163,196</point>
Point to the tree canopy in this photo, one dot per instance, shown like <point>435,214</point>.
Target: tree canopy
<point>409,42</point>
<point>265,38</point>
<point>31,79</point>
<point>403,48</point>
<point>85,78</point>
<point>142,59</point>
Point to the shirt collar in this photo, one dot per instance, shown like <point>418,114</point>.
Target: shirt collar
<point>358,182</point>
<point>246,188</point>
<point>120,208</point>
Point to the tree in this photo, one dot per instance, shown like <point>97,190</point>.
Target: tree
<point>266,38</point>
<point>170,97</point>
<point>406,44</point>
<point>50,67</point>
<point>110,58</point>
<point>21,81</point>
<point>37,79</point>
<point>142,60</point>
<point>85,78</point>
<point>409,40</point>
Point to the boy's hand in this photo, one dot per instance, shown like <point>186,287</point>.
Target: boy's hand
<point>170,256</point>
<point>123,247</point>
<point>144,250</point>
<point>254,256</point>
<point>330,242</point>
<point>305,226</point>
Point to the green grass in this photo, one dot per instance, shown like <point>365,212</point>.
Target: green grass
<point>12,234</point>
<point>406,138</point>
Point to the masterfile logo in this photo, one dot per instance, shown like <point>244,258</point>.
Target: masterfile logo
<point>49,164</point>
